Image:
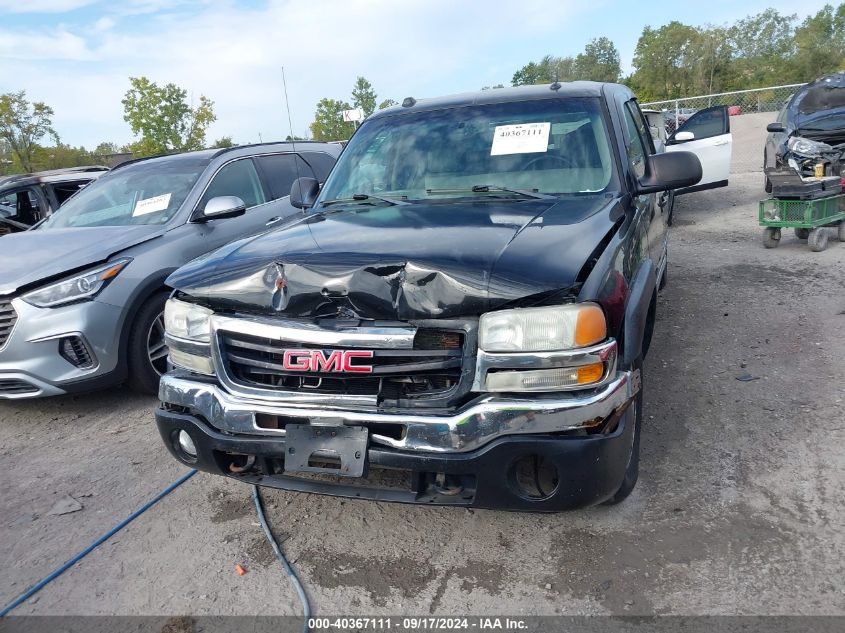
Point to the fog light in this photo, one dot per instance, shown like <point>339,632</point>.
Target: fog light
<point>187,444</point>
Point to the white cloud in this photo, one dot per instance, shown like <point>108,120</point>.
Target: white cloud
<point>235,55</point>
<point>43,6</point>
<point>58,45</point>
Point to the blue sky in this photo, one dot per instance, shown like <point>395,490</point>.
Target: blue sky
<point>77,55</point>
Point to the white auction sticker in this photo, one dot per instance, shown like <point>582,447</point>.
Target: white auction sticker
<point>151,205</point>
<point>523,138</point>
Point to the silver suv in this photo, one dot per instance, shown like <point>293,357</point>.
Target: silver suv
<point>82,293</point>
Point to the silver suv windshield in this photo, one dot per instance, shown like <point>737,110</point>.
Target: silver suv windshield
<point>149,192</point>
<point>547,146</point>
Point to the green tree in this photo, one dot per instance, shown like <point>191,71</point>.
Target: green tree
<point>664,61</point>
<point>164,118</point>
<point>363,96</point>
<point>106,148</point>
<point>328,122</point>
<point>820,44</point>
<point>23,124</point>
<point>222,142</point>
<point>492,87</point>
<point>599,61</point>
<point>762,46</point>
<point>387,103</point>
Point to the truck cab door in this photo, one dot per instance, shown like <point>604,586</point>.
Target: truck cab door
<point>707,134</point>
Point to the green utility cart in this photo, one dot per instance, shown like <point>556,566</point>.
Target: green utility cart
<point>808,217</point>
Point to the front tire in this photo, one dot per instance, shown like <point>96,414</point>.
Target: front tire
<point>632,471</point>
<point>147,351</point>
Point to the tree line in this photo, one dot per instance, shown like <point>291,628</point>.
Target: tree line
<point>680,60</point>
<point>670,61</point>
<point>162,118</point>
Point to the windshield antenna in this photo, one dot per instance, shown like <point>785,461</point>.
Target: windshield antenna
<point>290,129</point>
<point>556,83</point>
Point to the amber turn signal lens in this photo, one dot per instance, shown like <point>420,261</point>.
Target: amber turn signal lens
<point>591,326</point>
<point>590,373</point>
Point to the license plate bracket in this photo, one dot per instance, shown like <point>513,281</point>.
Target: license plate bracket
<point>306,443</point>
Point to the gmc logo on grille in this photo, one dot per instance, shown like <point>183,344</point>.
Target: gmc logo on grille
<point>337,361</point>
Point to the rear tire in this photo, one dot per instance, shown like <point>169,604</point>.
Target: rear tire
<point>147,353</point>
<point>840,232</point>
<point>818,239</point>
<point>771,237</point>
<point>632,471</point>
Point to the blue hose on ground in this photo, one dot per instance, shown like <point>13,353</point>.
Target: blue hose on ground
<point>303,598</point>
<point>26,595</point>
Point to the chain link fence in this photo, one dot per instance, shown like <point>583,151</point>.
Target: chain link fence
<point>751,111</point>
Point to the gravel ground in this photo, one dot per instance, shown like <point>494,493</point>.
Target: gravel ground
<point>739,509</point>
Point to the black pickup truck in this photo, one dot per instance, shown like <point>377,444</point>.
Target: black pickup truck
<point>458,316</point>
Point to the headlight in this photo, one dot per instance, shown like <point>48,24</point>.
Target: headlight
<point>187,321</point>
<point>542,329</point>
<point>80,287</point>
<point>806,147</point>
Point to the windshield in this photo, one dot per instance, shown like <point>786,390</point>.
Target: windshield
<point>149,192</point>
<point>549,146</point>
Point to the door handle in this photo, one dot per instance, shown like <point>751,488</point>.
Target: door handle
<point>272,221</point>
<point>722,142</point>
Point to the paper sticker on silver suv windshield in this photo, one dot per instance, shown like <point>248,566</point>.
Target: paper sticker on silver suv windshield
<point>151,205</point>
<point>523,138</point>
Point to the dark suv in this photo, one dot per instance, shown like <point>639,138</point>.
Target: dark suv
<point>27,198</point>
<point>460,318</point>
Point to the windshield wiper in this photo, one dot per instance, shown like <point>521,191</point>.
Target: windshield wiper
<point>362,197</point>
<point>487,188</point>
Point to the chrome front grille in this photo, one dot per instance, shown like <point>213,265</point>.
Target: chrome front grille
<point>427,368</point>
<point>8,317</point>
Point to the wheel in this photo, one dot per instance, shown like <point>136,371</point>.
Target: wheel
<point>840,232</point>
<point>771,237</point>
<point>632,471</point>
<point>147,351</point>
<point>767,186</point>
<point>818,239</point>
<point>802,234</point>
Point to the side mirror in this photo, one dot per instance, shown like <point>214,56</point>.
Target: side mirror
<point>221,207</point>
<point>672,170</point>
<point>775,127</point>
<point>683,137</point>
<point>304,192</point>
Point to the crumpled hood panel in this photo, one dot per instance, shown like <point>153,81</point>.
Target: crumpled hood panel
<point>32,256</point>
<point>404,262</point>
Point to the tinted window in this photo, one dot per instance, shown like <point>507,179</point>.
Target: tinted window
<point>65,190</point>
<point>281,170</point>
<point>238,178</point>
<point>707,123</point>
<point>633,143</point>
<point>321,162</point>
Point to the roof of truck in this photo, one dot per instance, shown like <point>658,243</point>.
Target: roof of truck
<point>565,89</point>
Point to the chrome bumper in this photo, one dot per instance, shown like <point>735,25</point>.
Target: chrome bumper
<point>480,422</point>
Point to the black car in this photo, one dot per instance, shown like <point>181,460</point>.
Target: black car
<point>25,199</point>
<point>460,318</point>
<point>810,129</point>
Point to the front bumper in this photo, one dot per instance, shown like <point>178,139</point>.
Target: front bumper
<point>30,363</point>
<point>468,458</point>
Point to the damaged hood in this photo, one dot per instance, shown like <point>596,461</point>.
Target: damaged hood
<point>41,254</point>
<point>421,260</point>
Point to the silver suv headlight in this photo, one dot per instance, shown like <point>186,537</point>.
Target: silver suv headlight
<point>77,288</point>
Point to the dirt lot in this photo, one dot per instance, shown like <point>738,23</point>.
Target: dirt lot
<point>739,509</point>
